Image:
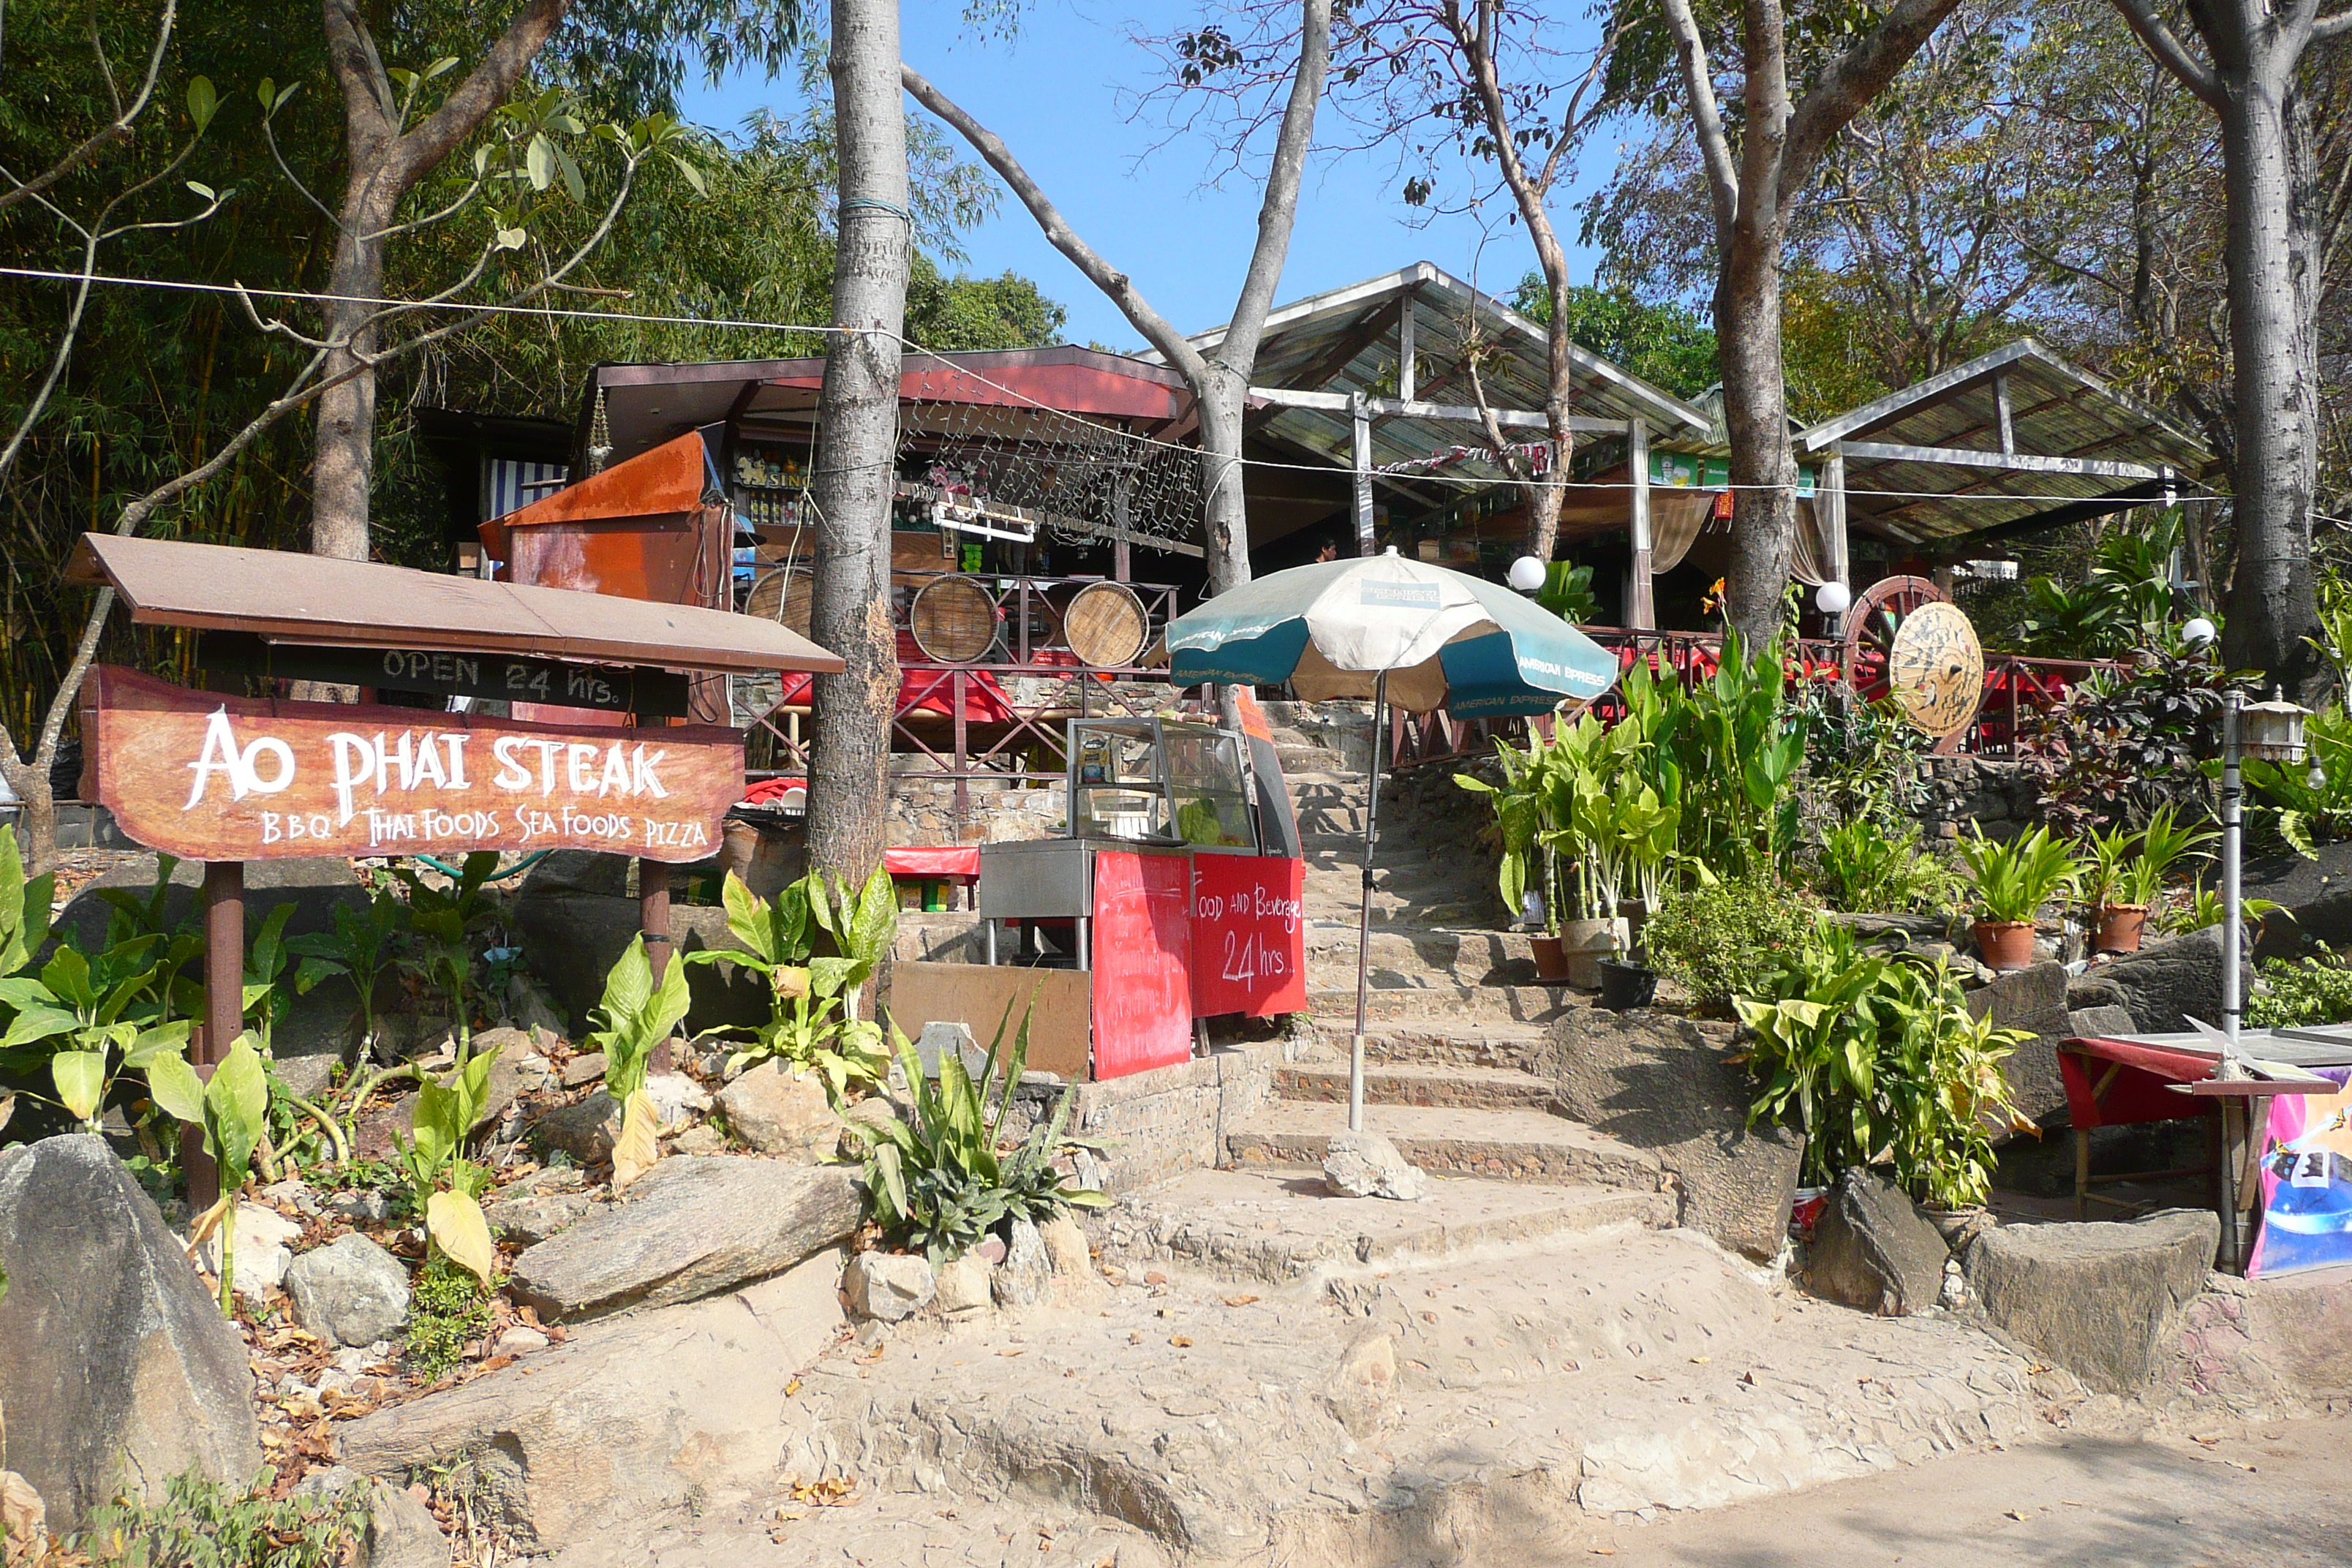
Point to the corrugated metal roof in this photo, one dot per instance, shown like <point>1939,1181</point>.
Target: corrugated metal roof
<point>1346,341</point>
<point>2056,411</point>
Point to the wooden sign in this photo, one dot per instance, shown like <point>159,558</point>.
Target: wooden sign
<point>489,678</point>
<point>1935,669</point>
<point>208,777</point>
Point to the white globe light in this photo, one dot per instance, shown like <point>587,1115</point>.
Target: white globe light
<point>1526,574</point>
<point>2198,632</point>
<point>1832,598</point>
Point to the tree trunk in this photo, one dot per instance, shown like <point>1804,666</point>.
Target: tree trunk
<point>857,449</point>
<point>342,468</point>
<point>1763,461</point>
<point>1220,478</point>
<point>37,814</point>
<point>2272,252</point>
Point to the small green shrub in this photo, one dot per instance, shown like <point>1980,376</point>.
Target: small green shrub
<point>2302,991</point>
<point>448,1308</point>
<point>1865,867</point>
<point>1727,939</point>
<point>200,1524</point>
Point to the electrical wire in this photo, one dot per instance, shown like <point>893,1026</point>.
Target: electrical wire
<point>732,324</point>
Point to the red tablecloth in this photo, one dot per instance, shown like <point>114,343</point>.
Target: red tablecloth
<point>934,863</point>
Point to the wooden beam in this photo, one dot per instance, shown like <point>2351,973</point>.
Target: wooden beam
<point>2018,462</point>
<point>2000,412</point>
<point>1405,370</point>
<point>1359,448</point>
<point>1642,608</point>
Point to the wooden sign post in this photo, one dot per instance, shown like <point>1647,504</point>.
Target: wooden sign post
<point>224,780</point>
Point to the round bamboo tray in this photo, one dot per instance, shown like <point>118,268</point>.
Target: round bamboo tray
<point>953,619</point>
<point>782,593</point>
<point>1106,626</point>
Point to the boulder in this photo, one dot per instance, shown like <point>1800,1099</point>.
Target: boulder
<point>1873,1249</point>
<point>588,1067</point>
<point>2101,1299</point>
<point>2164,983</point>
<point>675,1098</point>
<point>626,1415</point>
<point>962,1286</point>
<point>1027,1272</point>
<point>692,1226</point>
<point>1066,1243</point>
<point>889,1285</point>
<point>401,1531</point>
<point>118,1368</point>
<point>1367,1165</point>
<point>534,1217</point>
<point>2084,1023</point>
<point>942,1036</point>
<point>350,1291</point>
<point>778,1111</point>
<point>585,1130</point>
<point>2034,1000</point>
<point>1661,1082</point>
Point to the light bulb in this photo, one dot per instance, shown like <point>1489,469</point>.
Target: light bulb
<point>2198,632</point>
<point>1832,598</point>
<point>1526,575</point>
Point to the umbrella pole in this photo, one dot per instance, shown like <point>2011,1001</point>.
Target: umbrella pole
<point>1364,910</point>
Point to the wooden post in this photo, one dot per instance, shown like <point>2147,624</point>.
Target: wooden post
<point>1407,380</point>
<point>1829,504</point>
<point>223,1010</point>
<point>653,921</point>
<point>1359,447</point>
<point>1120,493</point>
<point>1641,606</point>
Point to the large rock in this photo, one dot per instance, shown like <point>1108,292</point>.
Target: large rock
<point>781,1113</point>
<point>693,1226</point>
<point>2164,984</point>
<point>1367,1165</point>
<point>1026,1274</point>
<point>963,1286</point>
<point>532,1218</point>
<point>2100,1299</point>
<point>2090,1023</point>
<point>2034,1000</point>
<point>1873,1249</point>
<point>1661,1082</point>
<point>585,1130</point>
<point>889,1285</point>
<point>401,1531</point>
<point>350,1291</point>
<point>115,1365</point>
<point>626,1415</point>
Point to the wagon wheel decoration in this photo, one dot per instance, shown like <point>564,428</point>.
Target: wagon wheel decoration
<point>1906,642</point>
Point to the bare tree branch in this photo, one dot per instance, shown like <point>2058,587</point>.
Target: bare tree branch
<point>1238,348</point>
<point>2167,47</point>
<point>117,130</point>
<point>1853,79</point>
<point>1117,284</point>
<point>1714,145</point>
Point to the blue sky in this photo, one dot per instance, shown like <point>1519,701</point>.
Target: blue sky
<point>1054,94</point>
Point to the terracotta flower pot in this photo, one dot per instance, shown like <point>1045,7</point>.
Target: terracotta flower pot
<point>2120,928</point>
<point>1551,958</point>
<point>2005,944</point>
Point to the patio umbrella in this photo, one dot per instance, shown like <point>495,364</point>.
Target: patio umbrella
<point>1397,631</point>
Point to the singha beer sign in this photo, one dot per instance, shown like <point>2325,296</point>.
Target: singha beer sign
<point>209,777</point>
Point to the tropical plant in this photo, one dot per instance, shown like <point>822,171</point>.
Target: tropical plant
<point>637,1015</point>
<point>445,920</point>
<point>179,942</point>
<point>2013,880</point>
<point>2310,803</point>
<point>266,1002</point>
<point>193,1522</point>
<point>811,1024</point>
<point>1567,591</point>
<point>1864,761</point>
<point>1727,938</point>
<point>231,1110</point>
<point>2124,744</point>
<point>1877,1059</point>
<point>92,1016</point>
<point>2106,852</point>
<point>2202,908</point>
<point>363,948</point>
<point>940,1179</point>
<point>1738,745</point>
<point>2128,601</point>
<point>451,1307</point>
<point>2301,993</point>
<point>1866,866</point>
<point>2163,844</point>
<point>1520,802</point>
<point>445,1187</point>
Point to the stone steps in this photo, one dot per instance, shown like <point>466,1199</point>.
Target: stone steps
<point>1443,1001</point>
<point>1461,1088</point>
<point>1275,1226</point>
<point>1505,1145</point>
<point>1484,1043</point>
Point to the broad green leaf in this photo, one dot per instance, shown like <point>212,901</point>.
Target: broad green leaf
<point>150,1043</point>
<point>539,160</point>
<point>203,105</point>
<point>38,1024</point>
<point>692,172</point>
<point>236,1105</point>
<point>173,1084</point>
<point>456,1223</point>
<point>80,1078</point>
<point>67,974</point>
<point>573,185</point>
<point>747,918</point>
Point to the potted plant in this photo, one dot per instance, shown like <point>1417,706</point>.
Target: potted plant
<point>1646,829</point>
<point>1525,804</point>
<point>2116,918</point>
<point>2013,881</point>
<point>2163,846</point>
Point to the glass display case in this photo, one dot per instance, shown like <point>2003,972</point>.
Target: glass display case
<point>1160,781</point>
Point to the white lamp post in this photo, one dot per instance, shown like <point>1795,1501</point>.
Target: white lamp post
<point>1526,575</point>
<point>1833,597</point>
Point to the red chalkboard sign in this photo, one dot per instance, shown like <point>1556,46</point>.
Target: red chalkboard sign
<point>1249,945</point>
<point>1142,957</point>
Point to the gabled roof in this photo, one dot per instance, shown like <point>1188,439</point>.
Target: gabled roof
<point>1346,341</point>
<point>1936,454</point>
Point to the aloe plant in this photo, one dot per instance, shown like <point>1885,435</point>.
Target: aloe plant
<point>2013,880</point>
<point>231,1111</point>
